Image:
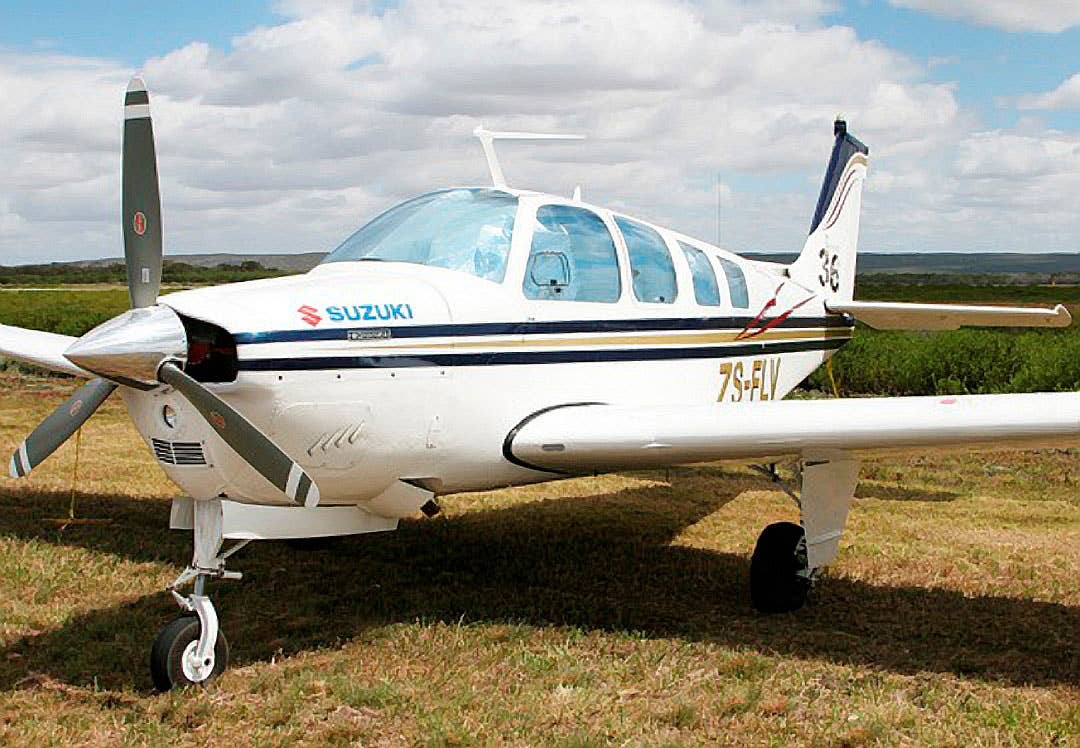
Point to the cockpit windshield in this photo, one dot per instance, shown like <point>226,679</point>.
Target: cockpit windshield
<point>468,230</point>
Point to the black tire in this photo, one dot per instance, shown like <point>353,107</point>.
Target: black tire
<point>776,585</point>
<point>168,651</point>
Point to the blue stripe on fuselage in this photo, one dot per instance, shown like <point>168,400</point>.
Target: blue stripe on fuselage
<point>540,328</point>
<point>494,358</point>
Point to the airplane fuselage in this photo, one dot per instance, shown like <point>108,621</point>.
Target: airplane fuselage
<point>368,373</point>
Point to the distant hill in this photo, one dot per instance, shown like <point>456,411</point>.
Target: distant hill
<point>963,263</point>
<point>952,263</point>
<point>299,263</point>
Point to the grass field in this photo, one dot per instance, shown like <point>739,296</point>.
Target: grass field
<point>594,611</point>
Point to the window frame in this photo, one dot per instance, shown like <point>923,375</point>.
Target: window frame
<point>522,244</point>
<point>665,242</point>
<point>687,247</point>
<point>719,262</point>
<point>508,261</point>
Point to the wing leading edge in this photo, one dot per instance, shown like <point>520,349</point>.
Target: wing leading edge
<point>585,438</point>
<point>45,349</point>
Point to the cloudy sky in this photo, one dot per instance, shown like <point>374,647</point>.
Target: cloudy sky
<point>282,126</point>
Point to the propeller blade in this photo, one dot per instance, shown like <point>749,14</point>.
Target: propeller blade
<point>58,426</point>
<point>141,201</point>
<point>248,442</point>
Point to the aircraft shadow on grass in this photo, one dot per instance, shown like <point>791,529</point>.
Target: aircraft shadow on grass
<point>596,562</point>
<point>887,492</point>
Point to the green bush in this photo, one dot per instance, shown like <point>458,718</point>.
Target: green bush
<point>57,273</point>
<point>64,312</point>
<point>955,362</point>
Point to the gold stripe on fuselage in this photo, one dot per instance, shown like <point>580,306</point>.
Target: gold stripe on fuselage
<point>675,339</point>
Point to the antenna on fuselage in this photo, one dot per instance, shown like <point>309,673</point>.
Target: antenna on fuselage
<point>488,138</point>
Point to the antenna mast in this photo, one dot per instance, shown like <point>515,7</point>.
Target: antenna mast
<point>488,138</point>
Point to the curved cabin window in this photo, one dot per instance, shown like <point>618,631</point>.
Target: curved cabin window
<point>706,291</point>
<point>467,230</point>
<point>736,283</point>
<point>650,263</point>
<point>572,257</point>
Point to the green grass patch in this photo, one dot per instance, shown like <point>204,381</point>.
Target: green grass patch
<point>606,610</point>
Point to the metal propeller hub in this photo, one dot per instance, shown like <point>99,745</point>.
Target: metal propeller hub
<point>131,347</point>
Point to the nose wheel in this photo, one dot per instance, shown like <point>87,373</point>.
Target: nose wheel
<point>175,660</point>
<point>192,651</point>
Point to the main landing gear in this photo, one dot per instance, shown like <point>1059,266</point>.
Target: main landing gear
<point>192,650</point>
<point>780,577</point>
<point>787,555</point>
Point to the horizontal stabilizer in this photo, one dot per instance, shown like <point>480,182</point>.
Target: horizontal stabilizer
<point>45,349</point>
<point>888,315</point>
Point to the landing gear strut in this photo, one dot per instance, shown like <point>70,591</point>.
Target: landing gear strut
<point>192,650</point>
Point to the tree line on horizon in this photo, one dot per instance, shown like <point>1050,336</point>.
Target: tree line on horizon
<point>62,273</point>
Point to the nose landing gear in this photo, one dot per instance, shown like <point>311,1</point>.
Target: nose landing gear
<point>192,650</point>
<point>175,660</point>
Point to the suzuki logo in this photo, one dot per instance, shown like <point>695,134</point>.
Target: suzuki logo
<point>310,315</point>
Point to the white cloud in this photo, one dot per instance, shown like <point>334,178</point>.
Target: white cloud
<point>1050,16</point>
<point>301,131</point>
<point>1065,96</point>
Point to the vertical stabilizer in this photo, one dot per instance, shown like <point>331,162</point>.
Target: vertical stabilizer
<point>827,261</point>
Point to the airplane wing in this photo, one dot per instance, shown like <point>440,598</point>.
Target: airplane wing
<point>45,349</point>
<point>888,315</point>
<point>587,437</point>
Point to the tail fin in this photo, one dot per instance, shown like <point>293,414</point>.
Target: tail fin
<point>827,261</point>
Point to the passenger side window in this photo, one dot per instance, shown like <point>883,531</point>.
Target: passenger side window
<point>650,263</point>
<point>736,283</point>
<point>572,257</point>
<point>706,292</point>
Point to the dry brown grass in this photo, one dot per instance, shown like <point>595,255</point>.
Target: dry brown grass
<point>597,611</point>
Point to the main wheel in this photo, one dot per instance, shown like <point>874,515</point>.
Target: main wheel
<point>168,667</point>
<point>778,579</point>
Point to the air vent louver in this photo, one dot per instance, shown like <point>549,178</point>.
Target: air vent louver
<point>178,453</point>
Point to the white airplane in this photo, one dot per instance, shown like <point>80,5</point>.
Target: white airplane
<point>483,337</point>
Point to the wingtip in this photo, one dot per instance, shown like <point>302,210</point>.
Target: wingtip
<point>13,468</point>
<point>1062,315</point>
<point>136,84</point>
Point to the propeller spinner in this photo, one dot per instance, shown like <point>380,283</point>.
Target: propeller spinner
<point>146,347</point>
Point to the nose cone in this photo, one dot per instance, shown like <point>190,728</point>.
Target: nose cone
<point>131,347</point>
